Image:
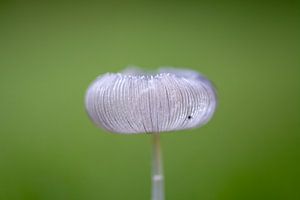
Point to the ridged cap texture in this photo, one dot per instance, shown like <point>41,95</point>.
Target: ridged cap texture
<point>136,102</point>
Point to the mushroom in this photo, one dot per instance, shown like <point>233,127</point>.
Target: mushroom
<point>135,102</point>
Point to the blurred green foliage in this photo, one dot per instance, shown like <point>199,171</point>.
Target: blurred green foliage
<point>50,52</point>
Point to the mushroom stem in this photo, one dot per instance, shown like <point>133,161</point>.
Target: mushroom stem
<point>157,170</point>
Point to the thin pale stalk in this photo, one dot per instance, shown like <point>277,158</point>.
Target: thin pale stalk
<point>157,170</point>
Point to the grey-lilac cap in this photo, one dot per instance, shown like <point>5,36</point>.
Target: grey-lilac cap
<point>137,102</point>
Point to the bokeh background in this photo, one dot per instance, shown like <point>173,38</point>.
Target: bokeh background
<point>51,51</point>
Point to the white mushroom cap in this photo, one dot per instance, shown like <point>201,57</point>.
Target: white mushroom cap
<point>132,102</point>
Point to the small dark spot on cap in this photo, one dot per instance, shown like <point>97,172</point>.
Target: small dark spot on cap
<point>189,117</point>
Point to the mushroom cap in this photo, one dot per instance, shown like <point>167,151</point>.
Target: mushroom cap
<point>136,102</point>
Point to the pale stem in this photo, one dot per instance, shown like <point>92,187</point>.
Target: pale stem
<point>157,170</point>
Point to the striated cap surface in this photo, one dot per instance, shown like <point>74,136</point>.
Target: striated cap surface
<point>133,102</point>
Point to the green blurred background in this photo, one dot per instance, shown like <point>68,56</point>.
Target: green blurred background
<point>51,51</point>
